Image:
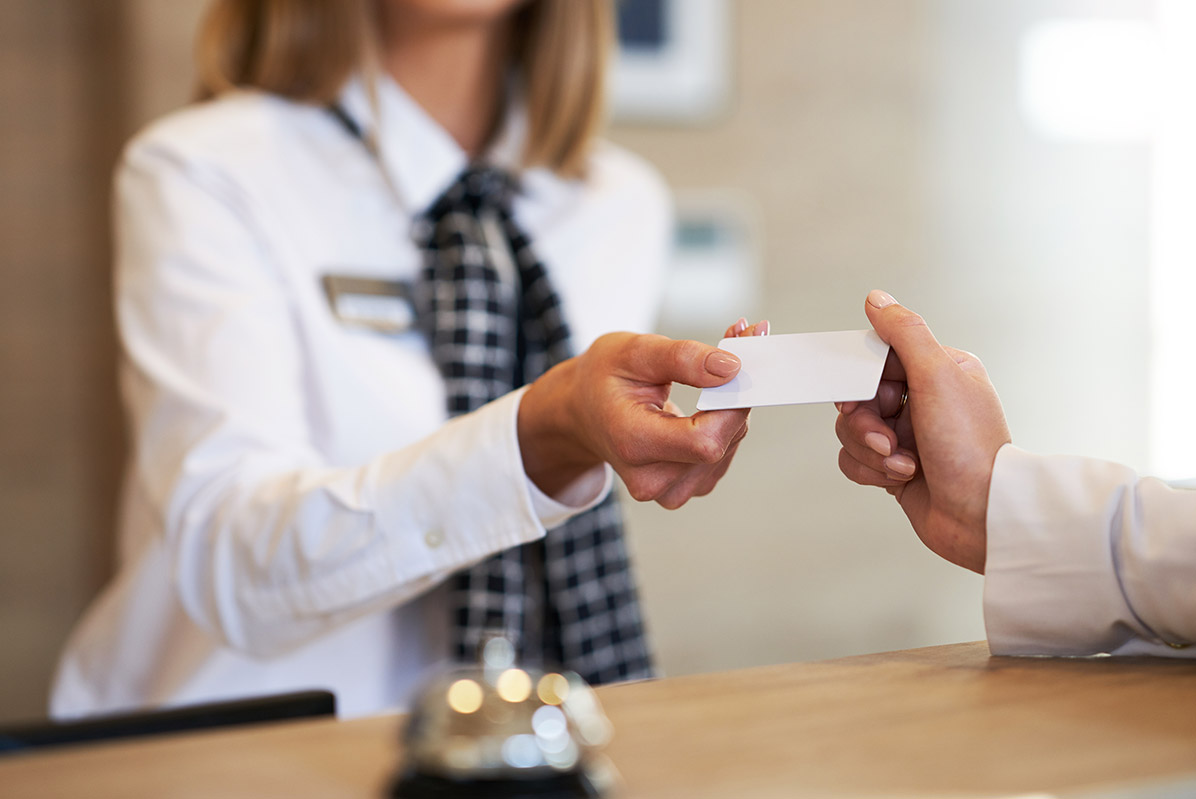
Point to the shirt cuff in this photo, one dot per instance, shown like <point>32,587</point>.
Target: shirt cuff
<point>579,496</point>
<point>1050,585</point>
<point>582,494</point>
<point>452,498</point>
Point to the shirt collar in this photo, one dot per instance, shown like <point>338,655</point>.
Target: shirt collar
<point>421,159</point>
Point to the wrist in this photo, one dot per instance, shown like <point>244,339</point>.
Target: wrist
<point>553,456</point>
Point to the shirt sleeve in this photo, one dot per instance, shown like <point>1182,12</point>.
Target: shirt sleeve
<point>1085,557</point>
<point>270,545</point>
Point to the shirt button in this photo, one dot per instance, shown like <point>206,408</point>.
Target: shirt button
<point>434,538</point>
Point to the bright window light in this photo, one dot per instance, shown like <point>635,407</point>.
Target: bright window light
<point>1173,245</point>
<point>1135,80</point>
<point>1090,79</point>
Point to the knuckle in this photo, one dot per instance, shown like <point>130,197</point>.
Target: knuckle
<point>672,501</point>
<point>856,426</point>
<point>709,450</point>
<point>970,363</point>
<point>908,318</point>
<point>619,340</point>
<point>613,349</point>
<point>645,486</point>
<point>638,348</point>
<point>686,352</point>
<point>842,431</point>
<point>849,466</point>
<point>741,435</point>
<point>638,491</point>
<point>708,483</point>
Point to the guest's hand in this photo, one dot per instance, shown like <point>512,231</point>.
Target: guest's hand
<point>611,404</point>
<point>936,454</point>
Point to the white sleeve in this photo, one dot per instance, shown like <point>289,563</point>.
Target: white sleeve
<point>269,545</point>
<point>1085,557</point>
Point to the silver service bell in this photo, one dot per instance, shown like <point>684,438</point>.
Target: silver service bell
<point>501,730</point>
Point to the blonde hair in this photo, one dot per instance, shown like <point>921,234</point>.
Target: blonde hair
<point>306,49</point>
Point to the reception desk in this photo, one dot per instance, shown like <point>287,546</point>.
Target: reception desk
<point>936,722</point>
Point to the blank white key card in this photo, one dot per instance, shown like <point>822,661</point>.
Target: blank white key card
<point>799,368</point>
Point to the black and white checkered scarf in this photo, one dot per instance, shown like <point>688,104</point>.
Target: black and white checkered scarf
<point>494,323</point>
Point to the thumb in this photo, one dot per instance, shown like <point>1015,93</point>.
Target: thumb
<point>661,360</point>
<point>906,332</point>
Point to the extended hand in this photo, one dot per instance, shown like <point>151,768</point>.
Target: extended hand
<point>937,457</point>
<point>611,404</point>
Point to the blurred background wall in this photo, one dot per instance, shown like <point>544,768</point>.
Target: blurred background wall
<point>870,143</point>
<point>62,118</point>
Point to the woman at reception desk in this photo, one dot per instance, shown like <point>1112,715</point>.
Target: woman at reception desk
<point>368,293</point>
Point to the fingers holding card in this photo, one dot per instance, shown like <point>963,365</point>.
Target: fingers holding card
<point>742,328</point>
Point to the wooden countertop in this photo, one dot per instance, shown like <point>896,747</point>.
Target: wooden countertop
<point>940,721</point>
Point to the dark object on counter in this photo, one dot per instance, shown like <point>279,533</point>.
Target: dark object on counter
<point>257,710</point>
<point>498,730</point>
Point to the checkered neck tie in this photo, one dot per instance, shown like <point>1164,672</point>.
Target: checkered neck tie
<point>493,322</point>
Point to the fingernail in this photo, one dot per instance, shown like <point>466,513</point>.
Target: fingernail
<point>880,299</point>
<point>722,364</point>
<point>762,328</point>
<point>900,464</point>
<point>839,407</point>
<point>741,325</point>
<point>879,443</point>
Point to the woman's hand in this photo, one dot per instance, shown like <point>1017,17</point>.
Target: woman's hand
<point>611,404</point>
<point>935,455</point>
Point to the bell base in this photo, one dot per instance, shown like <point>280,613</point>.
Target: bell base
<point>558,785</point>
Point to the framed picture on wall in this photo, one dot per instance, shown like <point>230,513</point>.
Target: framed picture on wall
<point>673,62</point>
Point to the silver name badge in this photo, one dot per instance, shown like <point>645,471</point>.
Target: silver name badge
<point>381,305</point>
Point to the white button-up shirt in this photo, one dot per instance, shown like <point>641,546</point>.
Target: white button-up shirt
<point>1084,556</point>
<point>295,492</point>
